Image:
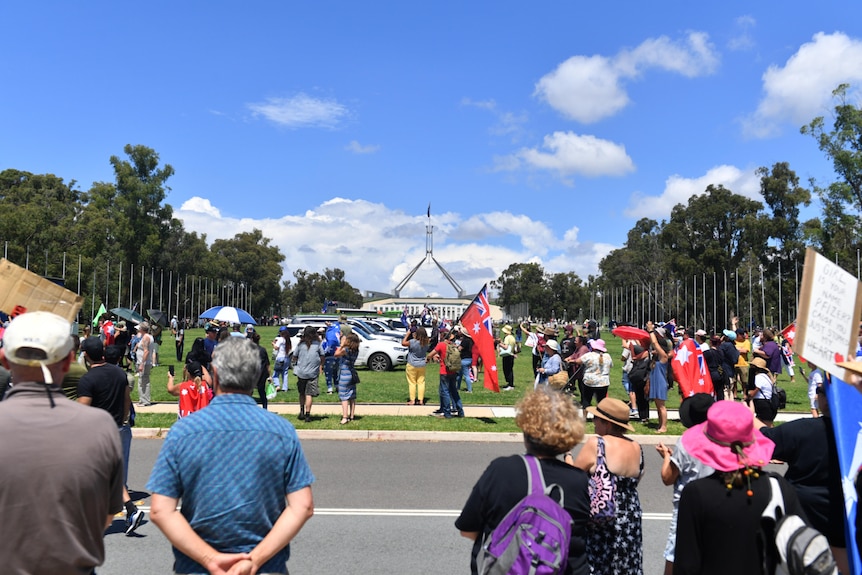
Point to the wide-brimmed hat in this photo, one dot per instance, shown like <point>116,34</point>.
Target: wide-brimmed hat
<point>727,440</point>
<point>553,344</point>
<point>507,329</point>
<point>759,363</point>
<point>852,365</point>
<point>598,345</point>
<point>550,331</point>
<point>729,334</point>
<point>701,333</point>
<point>121,326</point>
<point>693,409</point>
<point>613,410</point>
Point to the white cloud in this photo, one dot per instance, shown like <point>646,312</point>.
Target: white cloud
<point>590,88</point>
<point>743,40</point>
<point>802,89</point>
<point>508,123</point>
<point>358,148</point>
<point>567,154</point>
<point>678,190</point>
<point>300,111</point>
<point>377,246</point>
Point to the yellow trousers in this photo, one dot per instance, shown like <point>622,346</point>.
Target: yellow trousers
<point>415,382</point>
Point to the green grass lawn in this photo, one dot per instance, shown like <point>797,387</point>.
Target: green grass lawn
<point>391,387</point>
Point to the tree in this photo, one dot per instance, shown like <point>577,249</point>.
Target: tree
<point>312,289</point>
<point>783,195</point>
<point>38,212</point>
<point>141,222</point>
<point>524,283</point>
<point>839,230</point>
<point>568,295</point>
<point>248,262</point>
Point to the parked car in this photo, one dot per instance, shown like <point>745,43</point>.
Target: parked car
<point>377,354</point>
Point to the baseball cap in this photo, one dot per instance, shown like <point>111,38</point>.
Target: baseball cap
<point>701,333</point>
<point>38,338</point>
<point>211,327</point>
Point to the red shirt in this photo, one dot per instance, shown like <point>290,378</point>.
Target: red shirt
<point>192,399</point>
<point>441,348</point>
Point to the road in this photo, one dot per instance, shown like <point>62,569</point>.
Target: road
<point>380,508</point>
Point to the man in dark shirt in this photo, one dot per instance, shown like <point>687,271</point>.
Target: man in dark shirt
<point>105,386</point>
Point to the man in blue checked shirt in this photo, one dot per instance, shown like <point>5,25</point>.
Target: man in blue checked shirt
<point>241,473</point>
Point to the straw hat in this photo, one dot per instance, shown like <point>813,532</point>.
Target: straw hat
<point>613,410</point>
<point>507,329</point>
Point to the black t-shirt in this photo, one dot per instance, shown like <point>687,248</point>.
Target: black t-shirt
<point>466,348</point>
<point>504,484</point>
<point>717,528</point>
<point>106,386</point>
<point>808,447</point>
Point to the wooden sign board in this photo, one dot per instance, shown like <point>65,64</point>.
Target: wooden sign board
<point>830,307</point>
<point>21,291</point>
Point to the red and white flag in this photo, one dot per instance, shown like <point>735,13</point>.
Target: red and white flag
<point>477,319</point>
<point>691,371</point>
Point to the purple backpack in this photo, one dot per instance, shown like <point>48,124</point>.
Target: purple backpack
<point>533,538</point>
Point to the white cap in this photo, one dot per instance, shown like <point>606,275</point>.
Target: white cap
<point>38,338</point>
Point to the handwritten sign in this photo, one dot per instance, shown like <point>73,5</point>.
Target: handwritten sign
<point>830,306</point>
<point>21,291</point>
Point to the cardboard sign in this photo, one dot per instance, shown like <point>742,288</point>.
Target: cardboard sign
<point>830,306</point>
<point>22,291</point>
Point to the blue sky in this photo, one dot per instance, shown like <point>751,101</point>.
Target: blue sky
<point>537,131</point>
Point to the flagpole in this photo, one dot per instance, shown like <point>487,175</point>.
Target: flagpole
<point>780,322</point>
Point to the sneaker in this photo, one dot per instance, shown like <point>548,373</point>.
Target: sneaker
<point>634,414</point>
<point>133,521</point>
<point>508,388</point>
<point>460,414</point>
<point>442,414</point>
<point>438,412</point>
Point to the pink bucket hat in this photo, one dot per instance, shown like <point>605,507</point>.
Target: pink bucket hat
<point>727,440</point>
<point>598,344</point>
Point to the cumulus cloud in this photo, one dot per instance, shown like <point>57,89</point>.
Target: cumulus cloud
<point>678,190</point>
<point>567,154</point>
<point>590,88</point>
<point>300,111</point>
<point>802,88</point>
<point>383,244</point>
<point>358,148</point>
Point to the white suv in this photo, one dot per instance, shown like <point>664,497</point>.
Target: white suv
<point>375,354</point>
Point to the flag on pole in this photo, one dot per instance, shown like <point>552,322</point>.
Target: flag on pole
<point>789,332</point>
<point>102,311</point>
<point>477,319</point>
<point>691,371</point>
<point>429,209</point>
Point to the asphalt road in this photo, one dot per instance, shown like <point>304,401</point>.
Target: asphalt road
<point>380,508</point>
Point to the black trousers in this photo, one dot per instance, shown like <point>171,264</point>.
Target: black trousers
<point>641,400</point>
<point>508,369</point>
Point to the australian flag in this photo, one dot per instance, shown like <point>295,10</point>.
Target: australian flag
<point>477,319</point>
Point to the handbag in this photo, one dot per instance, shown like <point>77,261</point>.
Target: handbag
<point>270,390</point>
<point>354,376</point>
<point>602,489</point>
<point>558,380</point>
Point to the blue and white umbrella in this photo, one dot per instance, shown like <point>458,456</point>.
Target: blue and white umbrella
<point>230,314</point>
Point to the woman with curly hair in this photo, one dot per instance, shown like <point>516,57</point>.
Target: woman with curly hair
<point>346,353</point>
<point>552,425</point>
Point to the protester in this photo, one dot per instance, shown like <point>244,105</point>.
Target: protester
<point>346,354</point>
<point>211,339</point>
<point>179,333</point>
<point>808,448</point>
<point>759,391</point>
<point>506,349</point>
<point>615,547</point>
<point>771,353</point>
<point>144,362</point>
<point>199,353</point>
<point>106,387</point>
<point>720,515</point>
<point>417,343</point>
<point>658,374</point>
<point>597,372</point>
<point>536,342</point>
<point>450,399</point>
<point>815,381</point>
<point>122,339</point>
<point>465,344</point>
<point>55,506</point>
<point>743,346</point>
<point>232,456</point>
<point>551,362</point>
<point>263,356</point>
<point>281,350</point>
<point>729,358</point>
<point>307,367</point>
<point>679,468</point>
<point>331,341</point>
<point>195,391</point>
<point>551,426</point>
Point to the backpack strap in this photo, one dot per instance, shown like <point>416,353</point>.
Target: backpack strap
<point>536,479</point>
<point>775,507</point>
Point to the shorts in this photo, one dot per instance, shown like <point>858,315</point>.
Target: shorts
<point>627,385</point>
<point>812,400</point>
<point>308,386</point>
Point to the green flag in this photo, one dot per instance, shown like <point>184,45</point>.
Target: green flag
<point>99,314</point>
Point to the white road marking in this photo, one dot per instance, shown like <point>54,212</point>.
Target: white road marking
<point>346,511</point>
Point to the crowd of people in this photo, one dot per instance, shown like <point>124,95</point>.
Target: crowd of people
<point>717,468</point>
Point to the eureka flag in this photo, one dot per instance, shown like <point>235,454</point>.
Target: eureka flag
<point>477,319</point>
<point>690,370</point>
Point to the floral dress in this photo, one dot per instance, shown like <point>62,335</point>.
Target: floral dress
<point>616,548</point>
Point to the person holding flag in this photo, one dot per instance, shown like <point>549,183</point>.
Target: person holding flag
<point>690,369</point>
<point>477,321</point>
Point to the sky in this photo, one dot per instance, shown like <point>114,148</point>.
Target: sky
<point>536,131</point>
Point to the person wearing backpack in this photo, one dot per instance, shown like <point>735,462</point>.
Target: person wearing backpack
<point>449,356</point>
<point>552,425</point>
<point>719,520</point>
